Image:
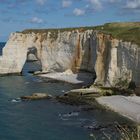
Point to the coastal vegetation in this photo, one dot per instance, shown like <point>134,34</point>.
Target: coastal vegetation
<point>125,133</point>
<point>126,31</point>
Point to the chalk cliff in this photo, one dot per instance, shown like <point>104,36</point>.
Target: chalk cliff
<point>112,59</point>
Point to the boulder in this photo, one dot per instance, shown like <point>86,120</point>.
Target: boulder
<point>36,96</point>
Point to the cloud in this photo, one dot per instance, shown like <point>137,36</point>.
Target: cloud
<point>78,12</point>
<point>96,4</point>
<point>41,2</point>
<point>133,4</point>
<point>66,3</point>
<point>132,7</point>
<point>36,20</point>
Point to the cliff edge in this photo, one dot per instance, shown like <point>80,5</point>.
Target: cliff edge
<point>112,51</point>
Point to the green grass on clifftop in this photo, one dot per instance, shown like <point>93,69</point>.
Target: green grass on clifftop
<point>126,31</point>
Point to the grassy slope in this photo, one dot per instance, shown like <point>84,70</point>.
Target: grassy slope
<point>127,31</point>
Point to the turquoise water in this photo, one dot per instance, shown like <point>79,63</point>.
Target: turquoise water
<point>48,119</point>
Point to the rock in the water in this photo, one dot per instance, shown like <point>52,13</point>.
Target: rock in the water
<point>75,97</point>
<point>36,96</point>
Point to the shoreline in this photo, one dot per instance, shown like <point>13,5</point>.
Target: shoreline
<point>81,78</point>
<point>121,102</point>
<point>126,106</point>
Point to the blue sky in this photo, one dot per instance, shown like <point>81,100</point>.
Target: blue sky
<point>17,15</point>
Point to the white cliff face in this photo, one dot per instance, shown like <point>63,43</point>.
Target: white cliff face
<point>125,62</point>
<point>13,58</point>
<point>88,50</point>
<point>56,54</point>
<point>67,52</point>
<point>117,62</point>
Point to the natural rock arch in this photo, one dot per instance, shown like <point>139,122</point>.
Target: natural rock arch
<point>32,56</point>
<point>88,50</point>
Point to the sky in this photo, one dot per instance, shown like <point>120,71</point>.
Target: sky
<point>17,15</point>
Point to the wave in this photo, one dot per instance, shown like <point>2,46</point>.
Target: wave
<point>16,100</point>
<point>68,115</point>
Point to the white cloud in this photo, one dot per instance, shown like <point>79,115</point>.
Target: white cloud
<point>78,12</point>
<point>36,20</point>
<point>66,3</point>
<point>96,4</point>
<point>41,2</point>
<point>133,4</point>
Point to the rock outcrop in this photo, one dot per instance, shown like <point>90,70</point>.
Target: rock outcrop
<point>114,61</point>
<point>36,96</point>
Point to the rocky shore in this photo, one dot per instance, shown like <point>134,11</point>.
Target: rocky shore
<point>127,104</point>
<point>121,101</point>
<point>107,57</point>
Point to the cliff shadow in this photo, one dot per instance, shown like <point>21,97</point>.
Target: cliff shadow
<point>107,63</point>
<point>86,58</point>
<point>2,45</point>
<point>1,48</point>
<point>32,63</point>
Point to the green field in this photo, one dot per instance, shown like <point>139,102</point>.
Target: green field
<point>126,31</point>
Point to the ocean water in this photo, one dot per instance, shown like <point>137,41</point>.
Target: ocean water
<point>1,46</point>
<point>48,119</point>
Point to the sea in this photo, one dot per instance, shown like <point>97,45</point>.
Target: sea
<point>49,119</point>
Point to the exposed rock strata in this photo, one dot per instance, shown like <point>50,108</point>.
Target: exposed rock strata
<point>113,60</point>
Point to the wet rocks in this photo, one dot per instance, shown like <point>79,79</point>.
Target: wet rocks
<point>88,96</point>
<point>77,98</point>
<point>36,96</point>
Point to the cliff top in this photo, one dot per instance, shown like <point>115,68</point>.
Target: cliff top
<point>123,24</point>
<point>126,31</point>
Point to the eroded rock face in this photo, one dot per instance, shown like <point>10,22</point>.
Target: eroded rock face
<point>113,60</point>
<point>124,63</point>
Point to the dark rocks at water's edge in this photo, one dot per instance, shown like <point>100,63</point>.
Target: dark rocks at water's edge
<point>78,98</point>
<point>108,125</point>
<point>37,96</point>
<point>92,97</point>
<point>11,74</point>
<point>73,97</point>
<point>88,95</point>
<point>83,96</point>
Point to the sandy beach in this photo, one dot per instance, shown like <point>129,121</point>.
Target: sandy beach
<point>128,106</point>
<point>81,78</point>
